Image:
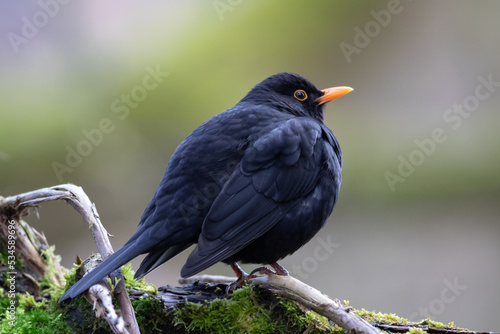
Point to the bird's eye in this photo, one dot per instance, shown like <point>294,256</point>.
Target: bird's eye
<point>300,95</point>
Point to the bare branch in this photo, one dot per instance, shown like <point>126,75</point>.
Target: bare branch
<point>16,206</point>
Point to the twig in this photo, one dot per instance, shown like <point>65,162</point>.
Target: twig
<point>76,197</point>
<point>103,306</point>
<point>207,279</point>
<point>99,296</point>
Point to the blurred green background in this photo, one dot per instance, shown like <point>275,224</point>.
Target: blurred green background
<point>428,246</point>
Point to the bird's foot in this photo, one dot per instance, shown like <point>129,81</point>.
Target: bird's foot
<point>241,280</point>
<point>278,270</point>
<point>261,271</point>
<point>239,283</point>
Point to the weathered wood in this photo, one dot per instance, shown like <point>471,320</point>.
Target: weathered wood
<point>11,208</point>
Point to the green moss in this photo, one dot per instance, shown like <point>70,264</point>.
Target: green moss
<point>249,310</point>
<point>132,283</point>
<point>144,308</point>
<point>392,319</point>
<point>21,313</point>
<point>240,313</point>
<point>55,292</point>
<point>36,321</point>
<point>4,302</point>
<point>4,256</point>
<point>79,315</point>
<point>48,256</point>
<point>416,331</point>
<point>28,302</point>
<point>436,324</point>
<point>311,320</point>
<point>47,315</point>
<point>78,312</point>
<point>381,318</point>
<point>31,317</point>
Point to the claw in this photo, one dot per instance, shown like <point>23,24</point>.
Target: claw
<point>280,270</point>
<point>243,278</point>
<point>262,271</point>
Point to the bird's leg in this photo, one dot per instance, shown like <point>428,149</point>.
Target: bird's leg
<point>240,273</point>
<point>241,277</point>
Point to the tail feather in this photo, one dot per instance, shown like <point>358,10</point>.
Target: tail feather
<point>157,258</point>
<point>113,262</point>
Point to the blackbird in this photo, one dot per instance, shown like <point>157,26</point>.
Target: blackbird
<point>252,184</point>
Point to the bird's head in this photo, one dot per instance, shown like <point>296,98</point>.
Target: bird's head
<point>292,93</point>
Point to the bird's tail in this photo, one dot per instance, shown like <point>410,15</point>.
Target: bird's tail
<point>113,262</point>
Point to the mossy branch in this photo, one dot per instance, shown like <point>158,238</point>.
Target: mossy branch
<point>270,304</point>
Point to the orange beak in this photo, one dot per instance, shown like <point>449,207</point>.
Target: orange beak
<point>332,93</point>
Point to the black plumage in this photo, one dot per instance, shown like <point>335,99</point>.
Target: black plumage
<point>252,184</point>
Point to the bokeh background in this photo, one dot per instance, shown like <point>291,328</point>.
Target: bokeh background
<point>392,249</point>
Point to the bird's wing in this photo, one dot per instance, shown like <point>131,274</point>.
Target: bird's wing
<point>276,171</point>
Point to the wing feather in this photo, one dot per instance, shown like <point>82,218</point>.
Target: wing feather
<point>276,171</point>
